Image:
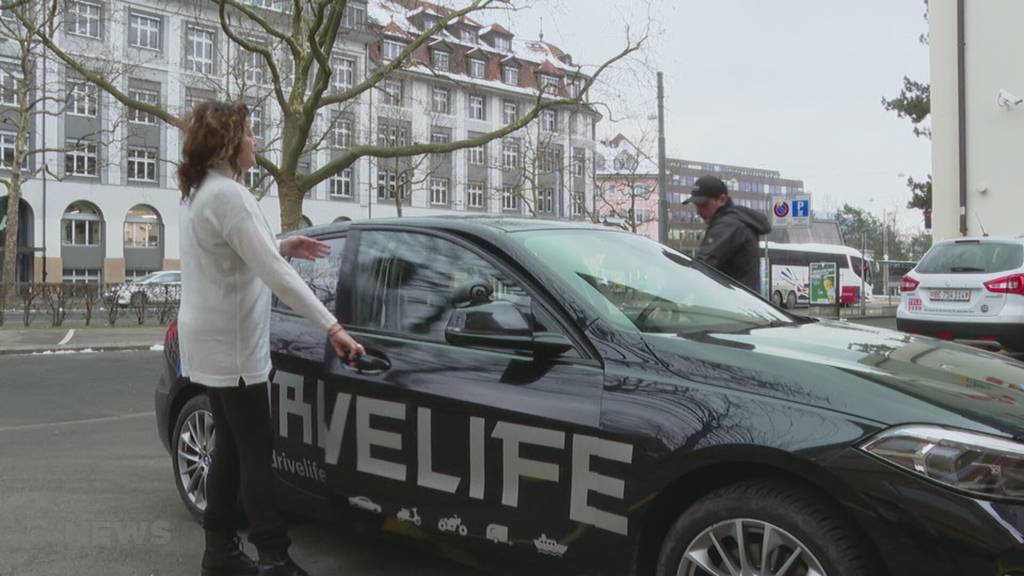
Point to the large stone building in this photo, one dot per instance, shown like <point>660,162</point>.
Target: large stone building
<point>112,211</point>
<point>977,117</point>
<point>627,176</point>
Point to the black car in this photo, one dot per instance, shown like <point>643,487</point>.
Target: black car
<point>562,398</point>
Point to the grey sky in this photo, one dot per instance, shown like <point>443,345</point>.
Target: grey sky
<point>790,85</point>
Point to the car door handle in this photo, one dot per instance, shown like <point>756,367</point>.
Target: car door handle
<point>369,363</point>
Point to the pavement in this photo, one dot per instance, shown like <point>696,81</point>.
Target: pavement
<point>20,340</point>
<point>86,487</point>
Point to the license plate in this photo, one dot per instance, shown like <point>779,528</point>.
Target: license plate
<point>951,295</point>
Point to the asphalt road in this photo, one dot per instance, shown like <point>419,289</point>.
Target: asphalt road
<point>86,486</point>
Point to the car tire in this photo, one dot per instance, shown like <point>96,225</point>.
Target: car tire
<point>777,298</point>
<point>791,300</point>
<point>193,438</point>
<point>790,516</point>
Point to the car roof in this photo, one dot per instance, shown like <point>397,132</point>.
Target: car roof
<point>479,224</point>
<point>983,239</point>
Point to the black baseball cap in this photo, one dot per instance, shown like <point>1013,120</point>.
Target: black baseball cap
<point>706,188</point>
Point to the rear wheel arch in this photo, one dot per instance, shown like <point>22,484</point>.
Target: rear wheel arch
<point>696,483</point>
<point>185,393</point>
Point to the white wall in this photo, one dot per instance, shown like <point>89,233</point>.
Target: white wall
<point>994,60</point>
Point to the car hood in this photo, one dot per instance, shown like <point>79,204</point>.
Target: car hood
<point>882,375</point>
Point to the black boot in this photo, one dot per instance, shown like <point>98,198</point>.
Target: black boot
<point>278,563</point>
<point>224,556</point>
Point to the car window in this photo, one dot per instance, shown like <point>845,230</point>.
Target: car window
<point>405,282</point>
<point>171,277</point>
<point>972,258</point>
<point>321,275</point>
<point>633,281</point>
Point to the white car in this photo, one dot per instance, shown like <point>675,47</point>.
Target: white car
<point>967,289</point>
<point>153,287</point>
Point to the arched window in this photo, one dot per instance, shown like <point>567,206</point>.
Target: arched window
<point>82,225</point>
<point>142,228</point>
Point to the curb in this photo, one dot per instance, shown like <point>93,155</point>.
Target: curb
<point>54,350</point>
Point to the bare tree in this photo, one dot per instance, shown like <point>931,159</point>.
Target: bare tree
<point>300,85</point>
<point>23,109</point>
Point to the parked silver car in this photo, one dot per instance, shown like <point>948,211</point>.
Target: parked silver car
<point>153,287</point>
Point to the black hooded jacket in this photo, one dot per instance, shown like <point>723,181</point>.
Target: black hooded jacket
<point>730,244</point>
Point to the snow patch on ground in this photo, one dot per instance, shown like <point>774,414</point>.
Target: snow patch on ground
<point>49,352</point>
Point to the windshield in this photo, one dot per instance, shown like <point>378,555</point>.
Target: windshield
<point>972,258</point>
<point>634,281</point>
<point>146,278</point>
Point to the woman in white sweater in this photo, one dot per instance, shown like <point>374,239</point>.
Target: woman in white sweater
<point>231,262</point>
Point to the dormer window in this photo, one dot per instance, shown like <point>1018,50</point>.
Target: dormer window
<point>502,44</point>
<point>476,68</point>
<point>575,88</point>
<point>549,83</point>
<point>441,60</point>
<point>428,22</point>
<point>392,49</point>
<point>510,75</point>
<point>469,35</point>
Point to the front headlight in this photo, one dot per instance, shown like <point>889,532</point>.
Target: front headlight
<point>976,463</point>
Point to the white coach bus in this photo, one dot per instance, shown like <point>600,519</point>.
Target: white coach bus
<point>790,278</point>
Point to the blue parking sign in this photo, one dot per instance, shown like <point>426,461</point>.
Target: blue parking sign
<point>801,208</point>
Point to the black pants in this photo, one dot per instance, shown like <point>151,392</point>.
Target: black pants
<point>242,452</point>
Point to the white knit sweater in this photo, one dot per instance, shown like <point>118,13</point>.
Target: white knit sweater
<point>230,262</point>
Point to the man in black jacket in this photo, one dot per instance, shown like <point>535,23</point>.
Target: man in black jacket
<point>730,244</point>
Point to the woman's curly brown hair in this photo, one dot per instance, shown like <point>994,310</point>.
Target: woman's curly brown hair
<point>213,134</point>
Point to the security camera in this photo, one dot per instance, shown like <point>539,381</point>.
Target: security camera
<point>1008,100</point>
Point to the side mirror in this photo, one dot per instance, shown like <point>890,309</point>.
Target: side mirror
<point>501,325</point>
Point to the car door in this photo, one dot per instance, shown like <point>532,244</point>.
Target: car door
<point>297,352</point>
<point>487,445</point>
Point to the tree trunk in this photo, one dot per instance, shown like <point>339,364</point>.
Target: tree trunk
<point>9,276</point>
<point>290,200</point>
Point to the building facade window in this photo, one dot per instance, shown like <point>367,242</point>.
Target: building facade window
<point>253,177</point>
<point>80,159</point>
<point>441,101</point>
<point>344,73</point>
<point>8,87</point>
<point>502,44</point>
<point>477,107</point>
<point>392,92</point>
<point>439,191</point>
<point>256,121</point>
<point>81,226</point>
<point>510,155</point>
<point>392,135</point>
<point>254,73</point>
<point>343,133</point>
<point>509,112</point>
<point>142,228</point>
<point>391,49</point>
<point>549,120</point>
<point>575,88</point>
<point>441,60</point>
<point>341,184</point>
<point>469,35</point>
<point>475,155</point>
<point>577,204</point>
<point>579,163</point>
<point>546,200</point>
<point>440,136</point>
<point>354,16</point>
<point>81,276</point>
<point>83,99</point>
<point>84,19</point>
<point>548,83</point>
<point>7,150</point>
<point>199,50</point>
<point>509,198</point>
<point>475,194</point>
<point>477,68</point>
<point>510,75</point>
<point>147,96</point>
<point>389,184</point>
<point>143,31</point>
<point>141,165</point>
